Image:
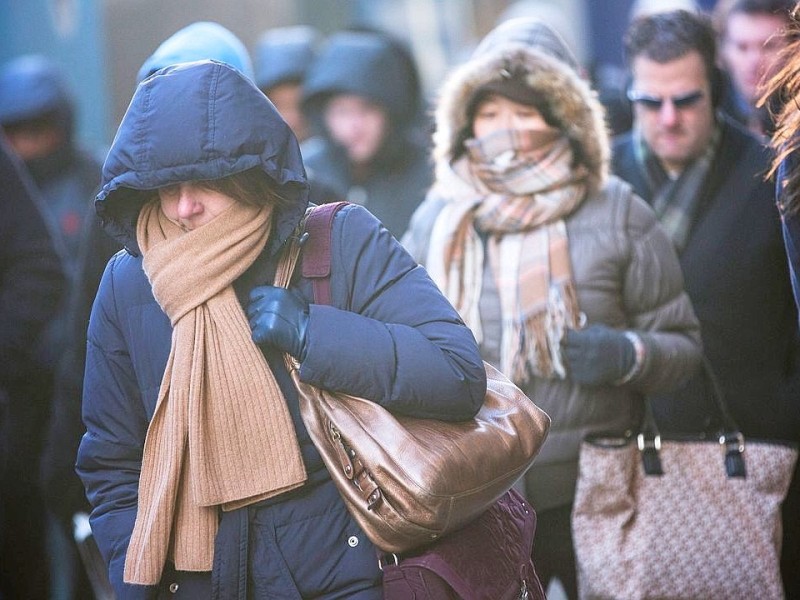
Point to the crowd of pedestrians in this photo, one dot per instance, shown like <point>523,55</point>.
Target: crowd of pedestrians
<point>596,244</point>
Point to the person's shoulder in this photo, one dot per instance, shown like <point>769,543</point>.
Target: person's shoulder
<point>357,231</point>
<point>622,152</point>
<point>612,197</point>
<point>742,165</point>
<point>622,142</point>
<point>315,148</point>
<point>125,271</point>
<point>356,217</point>
<point>625,210</point>
<point>742,145</point>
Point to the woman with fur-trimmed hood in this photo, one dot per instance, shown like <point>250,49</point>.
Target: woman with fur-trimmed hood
<point>564,275</point>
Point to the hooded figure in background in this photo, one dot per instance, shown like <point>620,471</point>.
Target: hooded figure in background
<point>31,281</point>
<point>283,56</point>
<point>195,459</point>
<point>572,288</point>
<point>529,31</point>
<point>199,41</point>
<point>37,114</point>
<point>362,95</point>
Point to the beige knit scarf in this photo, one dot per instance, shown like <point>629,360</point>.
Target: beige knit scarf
<point>221,434</point>
<point>520,205</point>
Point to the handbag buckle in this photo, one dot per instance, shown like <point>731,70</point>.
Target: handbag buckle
<point>733,445</point>
<point>392,557</point>
<point>374,498</point>
<point>733,442</point>
<point>646,443</point>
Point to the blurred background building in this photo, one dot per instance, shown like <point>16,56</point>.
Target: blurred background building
<point>102,43</point>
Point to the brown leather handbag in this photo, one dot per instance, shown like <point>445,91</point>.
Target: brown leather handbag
<point>409,481</point>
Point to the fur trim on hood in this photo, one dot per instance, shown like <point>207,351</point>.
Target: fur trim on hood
<point>570,100</point>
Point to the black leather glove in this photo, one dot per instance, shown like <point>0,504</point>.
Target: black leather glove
<point>279,317</point>
<point>598,355</point>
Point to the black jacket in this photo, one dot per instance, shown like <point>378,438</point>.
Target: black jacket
<point>399,175</point>
<point>31,282</point>
<point>737,277</point>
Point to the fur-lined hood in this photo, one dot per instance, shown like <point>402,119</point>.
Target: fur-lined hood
<point>571,101</point>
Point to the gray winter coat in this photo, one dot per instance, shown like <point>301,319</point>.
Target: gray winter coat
<point>626,271</point>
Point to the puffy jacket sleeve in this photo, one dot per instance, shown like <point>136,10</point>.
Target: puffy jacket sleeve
<point>391,336</point>
<point>658,308</point>
<point>110,453</point>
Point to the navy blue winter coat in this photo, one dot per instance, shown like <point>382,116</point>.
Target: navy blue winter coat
<point>389,336</point>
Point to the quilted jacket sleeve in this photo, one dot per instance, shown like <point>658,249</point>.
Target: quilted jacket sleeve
<point>657,306</point>
<point>110,454</point>
<point>391,336</point>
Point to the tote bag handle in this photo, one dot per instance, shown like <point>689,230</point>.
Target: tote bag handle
<point>730,436</point>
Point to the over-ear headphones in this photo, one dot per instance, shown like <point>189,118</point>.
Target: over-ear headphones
<point>718,80</point>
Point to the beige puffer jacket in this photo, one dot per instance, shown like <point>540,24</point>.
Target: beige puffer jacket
<point>625,268</point>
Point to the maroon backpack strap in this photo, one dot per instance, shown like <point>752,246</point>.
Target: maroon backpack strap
<point>317,249</point>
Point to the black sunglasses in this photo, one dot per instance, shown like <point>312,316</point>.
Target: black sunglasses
<point>655,103</point>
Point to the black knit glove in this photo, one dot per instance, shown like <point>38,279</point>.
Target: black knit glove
<point>598,355</point>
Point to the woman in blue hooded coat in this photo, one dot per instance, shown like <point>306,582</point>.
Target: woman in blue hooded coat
<point>201,475</point>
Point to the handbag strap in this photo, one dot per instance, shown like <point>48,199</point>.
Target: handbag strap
<point>313,237</point>
<point>730,436</point>
<point>317,250</point>
<point>287,261</point>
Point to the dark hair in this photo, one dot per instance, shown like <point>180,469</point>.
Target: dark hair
<point>49,120</point>
<point>667,36</point>
<point>725,8</point>
<point>252,187</point>
<point>521,93</point>
<point>782,95</point>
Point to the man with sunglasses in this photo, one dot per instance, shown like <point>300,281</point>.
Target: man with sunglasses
<point>704,176</point>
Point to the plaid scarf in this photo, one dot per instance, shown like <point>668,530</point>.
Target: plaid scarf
<point>675,200</point>
<point>526,184</point>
